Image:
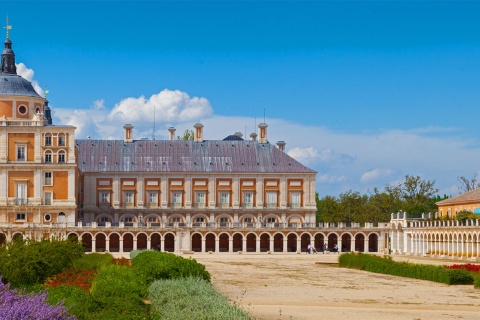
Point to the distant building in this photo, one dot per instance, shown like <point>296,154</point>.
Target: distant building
<point>469,201</point>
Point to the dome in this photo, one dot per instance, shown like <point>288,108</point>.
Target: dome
<point>14,85</point>
<point>233,138</point>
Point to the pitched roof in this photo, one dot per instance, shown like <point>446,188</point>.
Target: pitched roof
<point>185,156</point>
<point>467,197</point>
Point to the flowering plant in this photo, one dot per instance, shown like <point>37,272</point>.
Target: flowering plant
<point>467,267</point>
<point>14,305</point>
<point>73,278</point>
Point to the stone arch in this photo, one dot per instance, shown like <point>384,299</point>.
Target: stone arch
<point>224,219</point>
<point>295,220</point>
<point>292,242</point>
<point>360,242</point>
<point>264,242</point>
<point>100,242</point>
<point>174,217</point>
<point>72,236</point>
<point>373,242</point>
<point>87,241</point>
<point>152,218</point>
<point>210,240</point>
<point>128,218</point>
<point>17,236</point>
<point>199,216</point>
<point>114,242</point>
<point>346,242</point>
<point>319,241</point>
<point>169,242</point>
<point>197,242</point>
<point>237,242</point>
<point>3,239</point>
<point>305,240</point>
<point>272,219</point>
<point>102,218</point>
<point>332,240</point>
<point>243,218</point>
<point>127,241</point>
<point>223,242</point>
<point>142,241</point>
<point>251,242</point>
<point>278,242</point>
<point>155,241</point>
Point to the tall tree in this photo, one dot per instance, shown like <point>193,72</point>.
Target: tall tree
<point>469,184</point>
<point>416,193</point>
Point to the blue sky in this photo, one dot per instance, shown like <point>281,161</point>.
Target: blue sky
<point>362,92</point>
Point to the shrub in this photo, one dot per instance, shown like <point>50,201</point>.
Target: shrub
<point>26,263</point>
<point>153,265</point>
<point>404,269</point>
<point>93,261</point>
<point>14,305</point>
<point>476,283</point>
<point>190,298</point>
<point>73,278</point>
<point>118,290</point>
<point>79,301</point>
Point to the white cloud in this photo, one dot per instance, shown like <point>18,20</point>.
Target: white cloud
<point>28,74</point>
<point>331,179</point>
<point>375,174</point>
<point>311,155</point>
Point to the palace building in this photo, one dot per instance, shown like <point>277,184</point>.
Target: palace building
<point>199,195</point>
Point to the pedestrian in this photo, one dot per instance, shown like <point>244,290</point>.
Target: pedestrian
<point>335,249</point>
<point>325,247</point>
<point>314,250</point>
<point>309,248</point>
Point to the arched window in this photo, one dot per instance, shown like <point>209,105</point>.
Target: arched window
<point>48,139</point>
<point>61,140</point>
<point>48,156</point>
<point>61,156</point>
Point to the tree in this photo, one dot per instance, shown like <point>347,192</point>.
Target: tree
<point>469,184</point>
<point>187,135</point>
<point>327,209</point>
<point>464,215</point>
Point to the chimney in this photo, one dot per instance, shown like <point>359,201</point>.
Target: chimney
<point>281,145</point>
<point>198,132</point>
<point>238,134</point>
<point>253,136</point>
<point>172,133</point>
<point>263,133</point>
<point>128,133</point>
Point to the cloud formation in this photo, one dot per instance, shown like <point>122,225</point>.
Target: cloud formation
<point>375,174</point>
<point>28,74</point>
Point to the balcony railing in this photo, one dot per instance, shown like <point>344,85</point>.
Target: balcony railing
<point>294,205</point>
<point>176,205</point>
<point>152,205</point>
<point>247,206</point>
<point>128,205</point>
<point>272,205</point>
<point>224,205</point>
<point>20,202</point>
<point>200,205</point>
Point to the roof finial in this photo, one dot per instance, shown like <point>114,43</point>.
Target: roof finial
<point>45,92</point>
<point>8,27</point>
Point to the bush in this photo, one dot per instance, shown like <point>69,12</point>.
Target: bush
<point>404,269</point>
<point>79,301</point>
<point>26,263</point>
<point>153,265</point>
<point>476,283</point>
<point>93,261</point>
<point>14,305</point>
<point>135,253</point>
<point>190,298</point>
<point>118,291</point>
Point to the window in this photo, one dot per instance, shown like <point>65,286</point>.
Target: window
<point>152,199</point>
<point>128,198</point>
<point>270,220</point>
<point>47,217</point>
<point>200,199</point>
<point>104,198</point>
<point>22,110</point>
<point>176,199</point>
<point>199,220</point>
<point>21,153</point>
<point>48,198</point>
<point>21,196</point>
<point>61,157</point>
<point>127,219</point>
<point>248,200</point>
<point>48,179</point>
<point>61,140</point>
<point>48,157</point>
<point>104,219</point>
<point>271,199</point>
<point>247,220</point>
<point>224,199</point>
<point>20,216</point>
<point>295,200</point>
<point>48,140</point>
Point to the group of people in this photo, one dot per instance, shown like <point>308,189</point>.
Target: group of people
<point>311,249</point>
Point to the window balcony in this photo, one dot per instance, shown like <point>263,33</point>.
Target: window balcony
<point>128,205</point>
<point>176,205</point>
<point>223,205</point>
<point>152,205</point>
<point>247,206</point>
<point>294,205</point>
<point>20,202</point>
<point>272,205</point>
<point>200,205</point>
<point>104,205</point>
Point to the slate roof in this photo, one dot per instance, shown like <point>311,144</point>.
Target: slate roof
<point>468,197</point>
<point>14,85</point>
<point>212,156</point>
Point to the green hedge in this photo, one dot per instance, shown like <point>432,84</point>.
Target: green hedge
<point>404,269</point>
<point>153,265</point>
<point>93,261</point>
<point>476,283</point>
<point>190,298</point>
<point>27,263</point>
<point>79,301</point>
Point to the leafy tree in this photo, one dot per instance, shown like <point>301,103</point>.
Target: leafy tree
<point>416,193</point>
<point>381,205</point>
<point>327,209</point>
<point>464,215</point>
<point>469,184</point>
<point>187,135</point>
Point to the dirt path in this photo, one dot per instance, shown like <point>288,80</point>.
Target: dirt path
<point>289,286</point>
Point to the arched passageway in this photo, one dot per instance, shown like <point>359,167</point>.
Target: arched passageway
<point>197,242</point>
<point>87,242</point>
<point>319,241</point>
<point>127,242</point>
<point>332,241</point>
<point>292,242</point>
<point>114,242</point>
<point>142,241</point>
<point>155,241</point>
<point>3,238</point>
<point>360,242</point>
<point>223,242</point>
<point>237,242</point>
<point>373,243</point>
<point>346,243</point>
<point>264,242</point>
<point>304,242</point>
<point>251,242</point>
<point>278,243</point>
<point>100,242</point>
<point>210,242</point>
<point>169,244</point>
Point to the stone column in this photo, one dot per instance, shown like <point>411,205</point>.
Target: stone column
<point>203,244</point>
<point>285,244</point>
<point>244,244</point>
<point>230,244</point>
<point>120,244</point>
<point>94,244</point>
<point>162,245</point>
<point>107,244</point>
<point>149,243</point>
<point>299,244</point>
<point>134,243</point>
<point>272,249</point>
<point>217,244</point>
<point>257,245</point>
<point>366,244</point>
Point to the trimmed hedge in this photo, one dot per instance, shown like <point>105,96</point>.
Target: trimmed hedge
<point>93,261</point>
<point>476,283</point>
<point>190,298</point>
<point>404,269</point>
<point>153,265</point>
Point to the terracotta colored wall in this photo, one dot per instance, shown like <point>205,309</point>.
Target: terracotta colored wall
<point>12,148</point>
<point>6,108</point>
<point>60,185</point>
<point>20,175</point>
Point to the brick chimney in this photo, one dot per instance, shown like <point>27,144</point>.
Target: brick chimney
<point>281,145</point>
<point>128,133</point>
<point>172,133</point>
<point>198,134</point>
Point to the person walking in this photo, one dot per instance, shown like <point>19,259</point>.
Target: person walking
<point>335,249</point>
<point>309,248</point>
